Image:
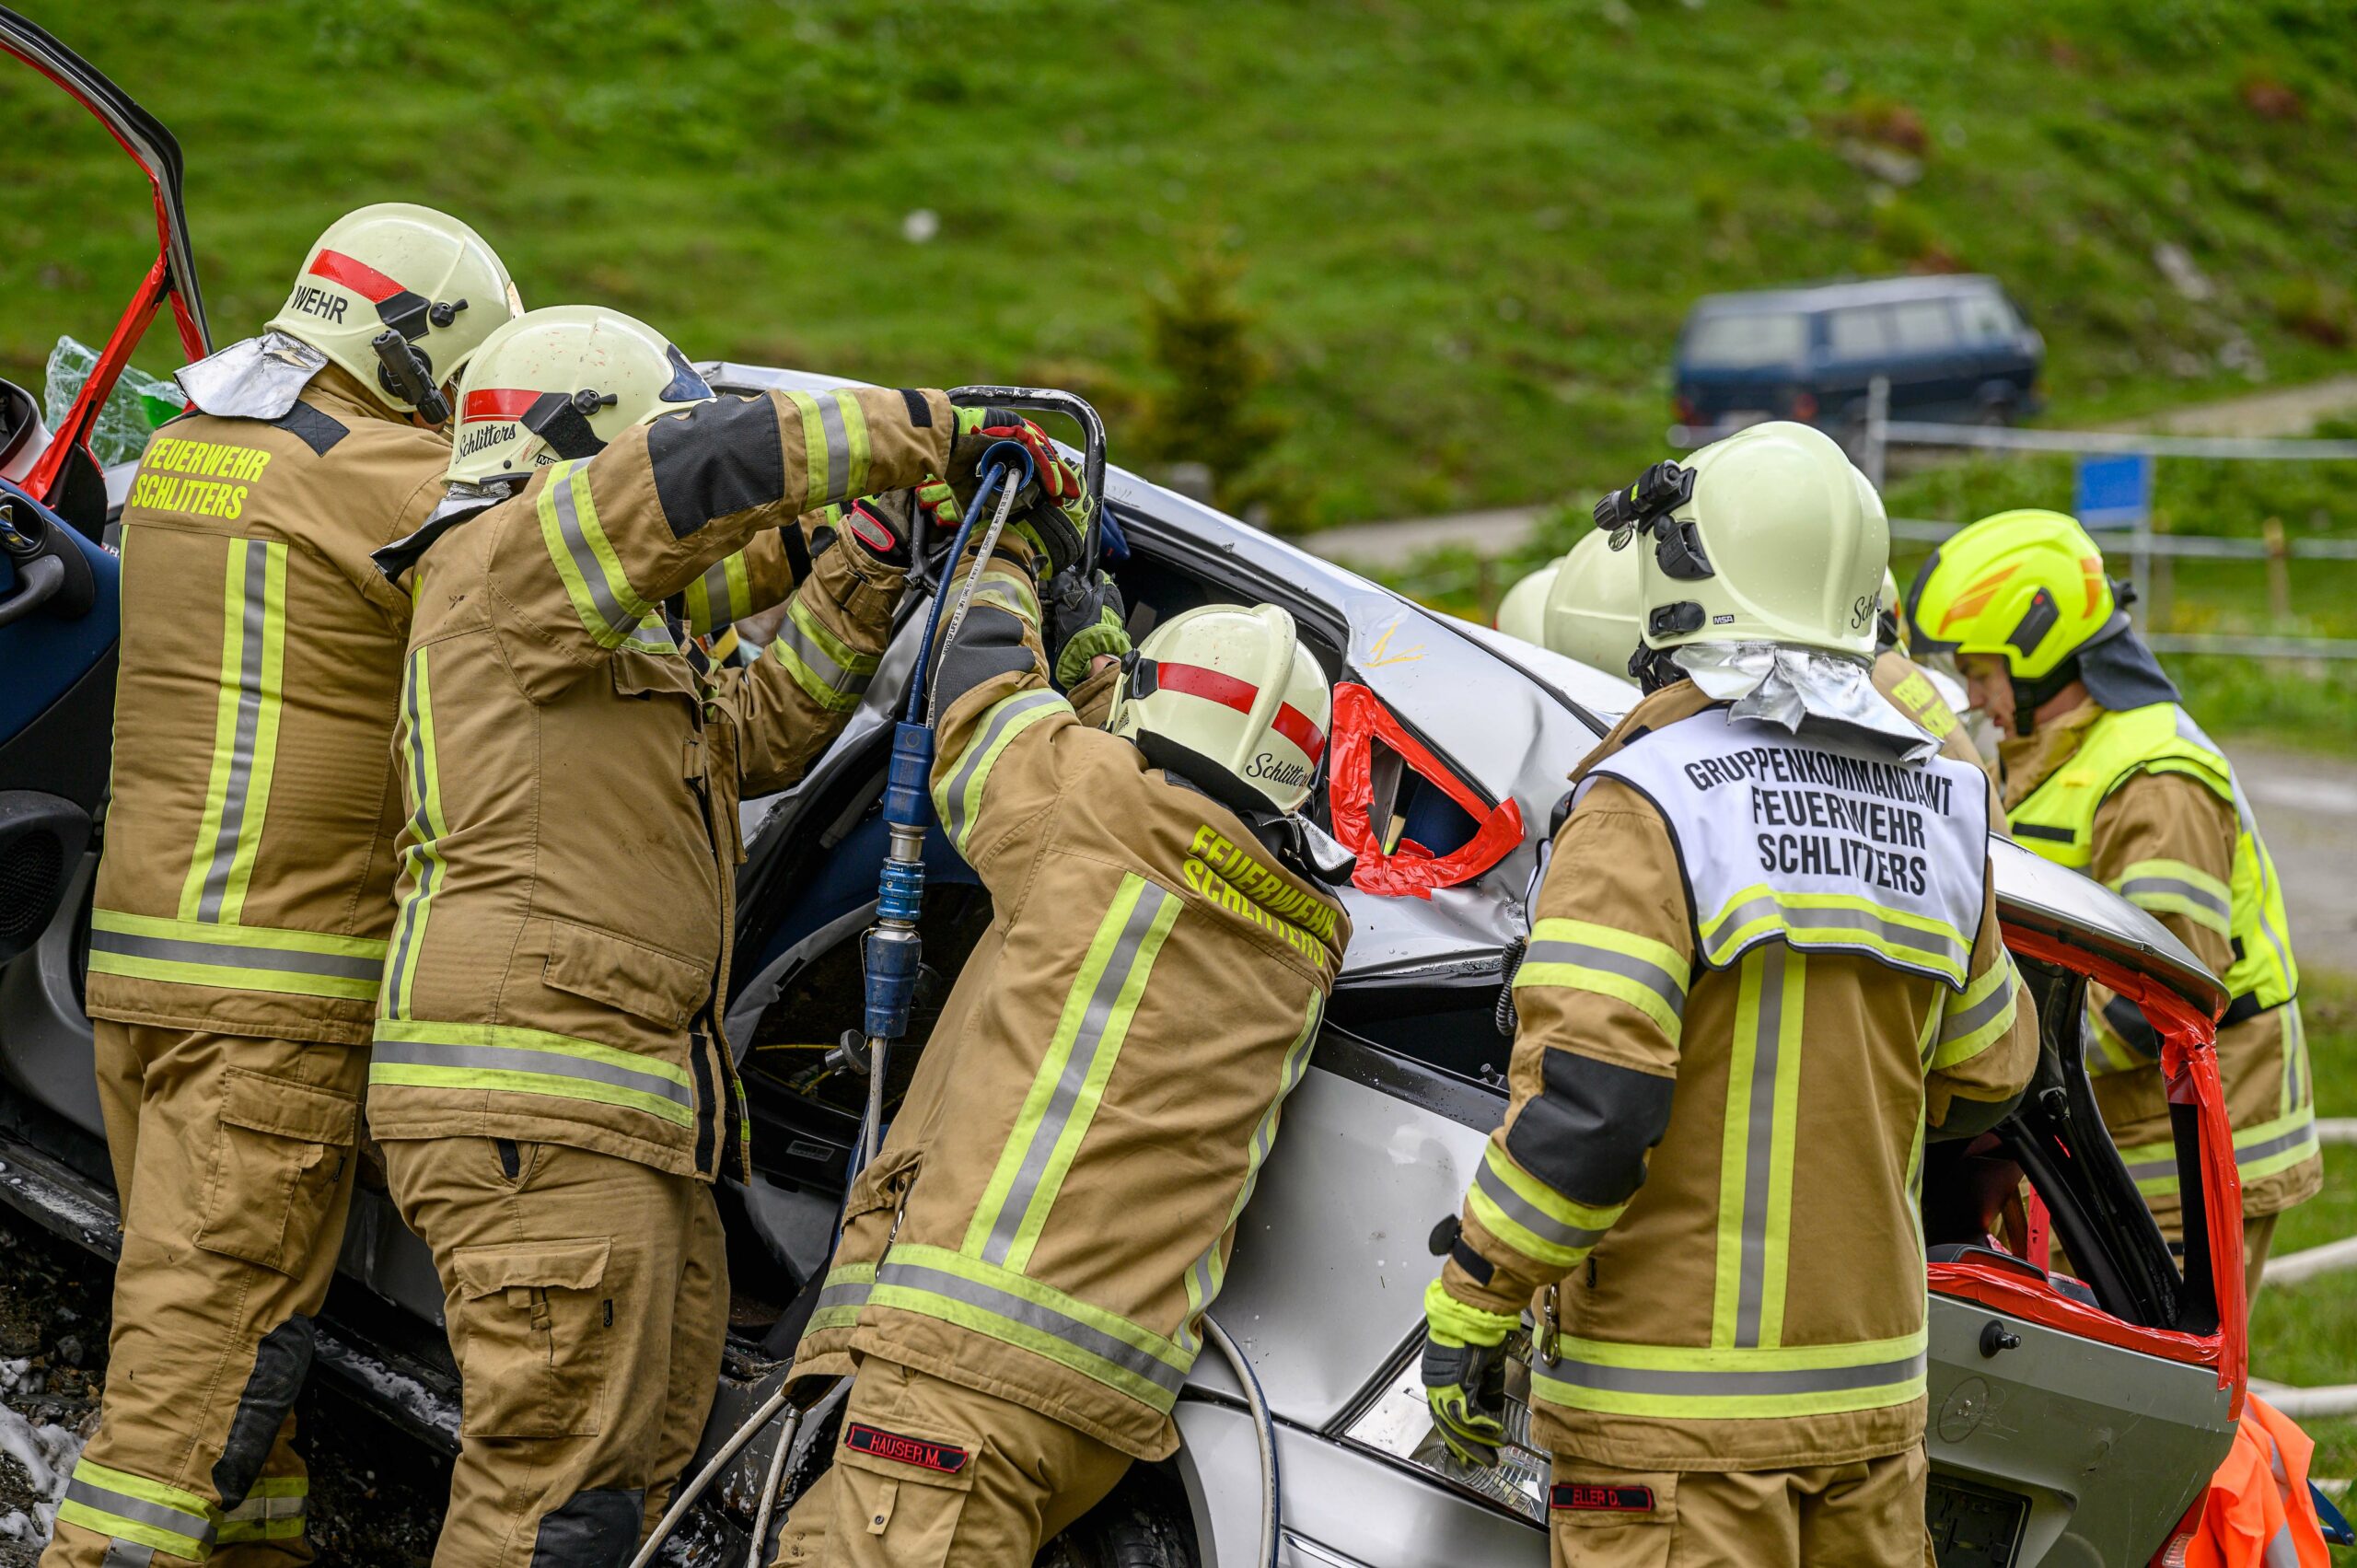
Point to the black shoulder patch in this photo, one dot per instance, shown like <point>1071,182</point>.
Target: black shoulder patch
<point>989,645</point>
<point>315,430</point>
<point>716,458</point>
<point>1586,1132</point>
<point>920,411</point>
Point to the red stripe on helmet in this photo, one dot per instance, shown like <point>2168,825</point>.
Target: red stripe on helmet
<point>1212,685</point>
<point>498,403</point>
<point>357,276</point>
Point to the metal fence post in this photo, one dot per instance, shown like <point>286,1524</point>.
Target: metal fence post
<point>1877,428</point>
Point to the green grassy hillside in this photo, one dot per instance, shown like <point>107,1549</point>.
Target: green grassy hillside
<point>1468,231</point>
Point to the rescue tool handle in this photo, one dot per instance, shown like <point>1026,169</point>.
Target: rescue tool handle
<point>1050,400</point>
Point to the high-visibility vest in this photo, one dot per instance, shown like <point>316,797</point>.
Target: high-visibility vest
<point>2259,1513</point>
<point>2058,821</point>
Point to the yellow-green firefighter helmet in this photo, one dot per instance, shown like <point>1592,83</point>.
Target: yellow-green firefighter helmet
<point>2026,586</point>
<point>1227,696</point>
<point>1770,535</point>
<point>561,383</point>
<point>410,268</point>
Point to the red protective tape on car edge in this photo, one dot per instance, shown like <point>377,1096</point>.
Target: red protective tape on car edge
<point>1411,871</point>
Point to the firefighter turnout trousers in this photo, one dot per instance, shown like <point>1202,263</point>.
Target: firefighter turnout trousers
<point>929,1472</point>
<point>237,1157</point>
<point>586,1298</point>
<point>1866,1514</point>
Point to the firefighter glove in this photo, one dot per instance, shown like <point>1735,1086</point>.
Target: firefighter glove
<point>881,524</point>
<point>1465,1374</point>
<point>1085,620</point>
<point>1052,512</point>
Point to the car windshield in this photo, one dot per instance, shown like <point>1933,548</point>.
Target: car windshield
<point>1746,340</point>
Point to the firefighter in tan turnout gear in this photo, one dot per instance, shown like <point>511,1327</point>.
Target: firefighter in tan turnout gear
<point>2103,772</point>
<point>1765,966</point>
<point>243,903</point>
<point>550,1081</point>
<point>1025,1268</point>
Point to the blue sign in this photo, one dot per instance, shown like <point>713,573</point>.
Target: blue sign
<point>2113,491</point>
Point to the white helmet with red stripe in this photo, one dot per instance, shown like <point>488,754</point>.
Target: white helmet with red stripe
<point>1229,697</point>
<point>561,383</point>
<point>420,273</point>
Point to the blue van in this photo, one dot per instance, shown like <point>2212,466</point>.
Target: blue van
<point>1954,347</point>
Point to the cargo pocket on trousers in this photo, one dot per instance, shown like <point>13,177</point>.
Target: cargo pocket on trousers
<point>531,1332</point>
<point>907,1484</point>
<point>1613,1519</point>
<point>278,1161</point>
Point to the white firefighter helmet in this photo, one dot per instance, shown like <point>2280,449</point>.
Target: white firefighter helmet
<point>1523,612</point>
<point>1229,689</point>
<point>561,383</point>
<point>1769,536</point>
<point>396,266</point>
<point>1592,614</point>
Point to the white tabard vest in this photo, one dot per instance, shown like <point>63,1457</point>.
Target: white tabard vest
<point>1825,848</point>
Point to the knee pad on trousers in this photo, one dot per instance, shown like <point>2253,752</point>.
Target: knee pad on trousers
<point>281,1361</point>
<point>593,1529</point>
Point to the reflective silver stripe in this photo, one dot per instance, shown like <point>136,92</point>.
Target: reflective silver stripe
<point>139,1511</point>
<point>1806,1380</point>
<point>1956,1026</point>
<point>1035,1315</point>
<point>123,1553</point>
<point>255,1509</point>
<point>850,682</point>
<point>652,631</point>
<point>619,622</point>
<point>849,1293</point>
<point>252,635</point>
<point>517,1058</point>
<point>1759,1146</point>
<point>722,608</point>
<point>1652,977</point>
<point>1934,942</point>
<point>830,422</point>
<point>2175,888</point>
<point>1086,1045</point>
<point>424,784</point>
<point>1528,1215</point>
<point>953,822</point>
<point>2145,1169</point>
<point>224,955</point>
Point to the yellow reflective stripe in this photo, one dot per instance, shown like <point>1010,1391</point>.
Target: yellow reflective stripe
<point>511,1060</point>
<point>1976,1018</point>
<point>1756,1151</point>
<point>2112,1054</point>
<point>853,421</point>
<point>115,1502</point>
<point>842,1295</point>
<point>1210,1272</point>
<point>1532,1217</point>
<point>274,1510</point>
<point>828,670</point>
<point>1728,1383</point>
<point>1002,584</point>
<point>723,596</point>
<point>651,636</point>
<point>234,958</point>
<point>422,865</point>
<point>2171,886</point>
<point>1913,941</point>
<point>957,783</point>
<point>1070,1083</point>
<point>1011,1307</point>
<point>814,450</point>
<point>2259,1151</point>
<point>1648,975</point>
<point>245,733</point>
<point>609,607</point>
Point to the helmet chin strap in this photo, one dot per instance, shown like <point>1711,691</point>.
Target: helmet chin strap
<point>1653,668</point>
<point>2031,695</point>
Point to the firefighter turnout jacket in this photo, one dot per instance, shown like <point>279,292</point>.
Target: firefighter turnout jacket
<point>247,883</point>
<point>1905,685</point>
<point>567,865</point>
<point>2143,802</point>
<point>1052,1211</point>
<point>1771,963</point>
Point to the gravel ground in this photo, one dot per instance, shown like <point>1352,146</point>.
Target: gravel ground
<point>375,1493</point>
